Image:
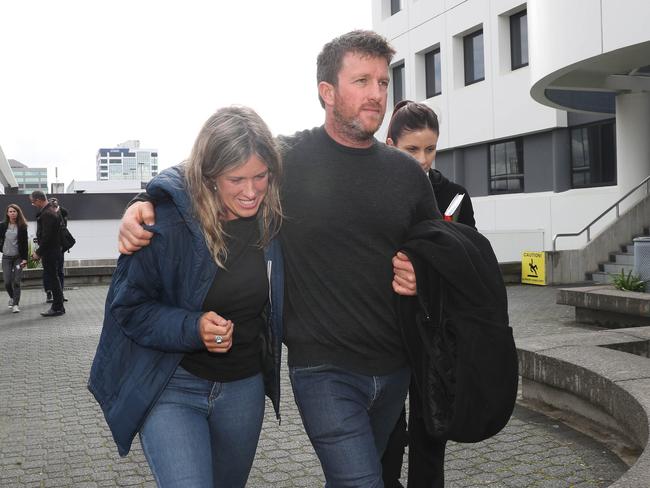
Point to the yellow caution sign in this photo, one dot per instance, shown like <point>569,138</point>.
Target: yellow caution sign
<point>533,268</point>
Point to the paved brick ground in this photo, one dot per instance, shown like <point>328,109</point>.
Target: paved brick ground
<point>52,433</point>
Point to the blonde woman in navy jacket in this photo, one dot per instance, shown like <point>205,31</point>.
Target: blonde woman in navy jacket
<point>192,328</point>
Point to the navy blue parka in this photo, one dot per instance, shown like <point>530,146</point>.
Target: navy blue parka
<point>152,312</point>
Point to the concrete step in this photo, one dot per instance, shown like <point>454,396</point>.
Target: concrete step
<point>622,258</point>
<point>628,248</point>
<point>601,277</point>
<point>615,268</point>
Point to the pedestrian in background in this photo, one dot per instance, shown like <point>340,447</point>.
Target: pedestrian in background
<point>63,212</point>
<point>48,237</point>
<point>14,246</point>
<point>414,129</point>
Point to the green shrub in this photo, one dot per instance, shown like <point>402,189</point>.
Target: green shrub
<point>628,282</point>
<point>31,264</point>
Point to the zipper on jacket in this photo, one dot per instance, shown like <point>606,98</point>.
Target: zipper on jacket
<point>269,265</point>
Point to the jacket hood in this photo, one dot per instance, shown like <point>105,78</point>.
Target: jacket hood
<point>169,186</point>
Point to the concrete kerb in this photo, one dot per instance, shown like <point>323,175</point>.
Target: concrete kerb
<point>606,306</point>
<point>592,375</point>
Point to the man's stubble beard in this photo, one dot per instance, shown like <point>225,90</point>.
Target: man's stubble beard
<point>352,128</point>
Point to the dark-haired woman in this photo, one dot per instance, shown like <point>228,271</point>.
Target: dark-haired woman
<point>414,129</point>
<point>13,243</point>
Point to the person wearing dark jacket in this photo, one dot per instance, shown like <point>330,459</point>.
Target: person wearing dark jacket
<point>48,226</point>
<point>15,249</point>
<point>445,190</point>
<point>192,328</point>
<point>414,129</point>
<point>63,212</point>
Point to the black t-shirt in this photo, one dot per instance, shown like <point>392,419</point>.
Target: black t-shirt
<point>347,213</point>
<point>238,293</point>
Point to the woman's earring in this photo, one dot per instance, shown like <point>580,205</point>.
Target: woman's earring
<point>214,187</point>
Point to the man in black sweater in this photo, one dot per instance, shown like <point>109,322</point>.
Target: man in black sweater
<point>349,200</point>
<point>48,228</point>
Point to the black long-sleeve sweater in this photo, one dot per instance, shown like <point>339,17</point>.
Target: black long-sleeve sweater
<point>347,211</point>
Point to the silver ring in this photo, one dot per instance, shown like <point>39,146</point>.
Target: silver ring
<point>218,339</point>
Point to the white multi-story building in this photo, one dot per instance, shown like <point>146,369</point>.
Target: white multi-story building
<point>29,179</point>
<point>127,161</point>
<point>544,106</point>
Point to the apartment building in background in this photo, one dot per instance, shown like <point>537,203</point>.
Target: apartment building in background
<point>544,106</point>
<point>29,179</point>
<point>126,161</point>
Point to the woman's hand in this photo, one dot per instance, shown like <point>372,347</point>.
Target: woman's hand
<point>216,332</point>
<point>23,263</point>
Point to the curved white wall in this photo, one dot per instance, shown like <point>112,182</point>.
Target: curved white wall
<point>561,33</point>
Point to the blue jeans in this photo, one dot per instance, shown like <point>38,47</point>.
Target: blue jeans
<point>201,433</point>
<point>348,418</point>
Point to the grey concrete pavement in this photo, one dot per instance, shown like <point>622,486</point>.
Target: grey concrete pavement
<point>52,433</point>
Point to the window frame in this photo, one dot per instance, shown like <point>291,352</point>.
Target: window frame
<point>469,38</point>
<point>395,6</point>
<point>432,55</point>
<point>399,67</point>
<point>493,178</point>
<point>515,20</point>
<point>589,167</point>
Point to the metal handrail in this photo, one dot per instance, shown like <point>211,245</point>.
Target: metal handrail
<point>645,182</point>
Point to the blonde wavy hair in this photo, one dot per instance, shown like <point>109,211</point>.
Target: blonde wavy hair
<point>227,140</point>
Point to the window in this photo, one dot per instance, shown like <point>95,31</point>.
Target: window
<point>432,73</point>
<point>593,155</point>
<point>395,6</point>
<point>398,83</point>
<point>519,40</point>
<point>507,167</point>
<point>473,53</point>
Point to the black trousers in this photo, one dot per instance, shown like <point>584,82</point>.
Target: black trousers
<point>50,262</point>
<point>59,272</point>
<point>426,454</point>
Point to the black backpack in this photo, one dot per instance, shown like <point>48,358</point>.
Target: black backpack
<point>462,352</point>
<point>67,240</point>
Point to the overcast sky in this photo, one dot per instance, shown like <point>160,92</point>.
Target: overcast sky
<point>77,75</point>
